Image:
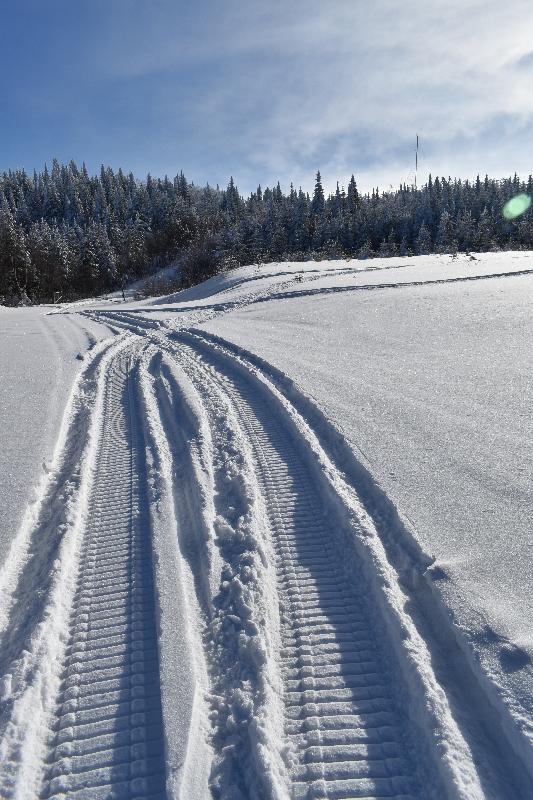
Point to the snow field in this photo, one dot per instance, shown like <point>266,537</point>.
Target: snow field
<point>415,568</point>
<point>41,356</point>
<point>467,779</point>
<point>214,596</point>
<point>430,387</point>
<point>410,562</point>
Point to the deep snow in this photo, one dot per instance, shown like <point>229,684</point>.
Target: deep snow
<point>433,386</point>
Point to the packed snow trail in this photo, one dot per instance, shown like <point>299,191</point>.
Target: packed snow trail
<point>106,738</point>
<point>440,718</point>
<point>356,698</point>
<point>37,582</point>
<point>346,737</point>
<point>341,720</point>
<point>444,715</point>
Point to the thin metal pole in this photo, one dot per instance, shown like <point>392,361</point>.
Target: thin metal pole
<point>416,158</point>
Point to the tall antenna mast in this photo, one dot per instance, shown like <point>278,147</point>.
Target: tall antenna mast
<point>416,158</point>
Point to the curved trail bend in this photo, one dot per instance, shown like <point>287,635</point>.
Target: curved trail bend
<point>345,734</point>
<point>321,679</point>
<point>358,655</point>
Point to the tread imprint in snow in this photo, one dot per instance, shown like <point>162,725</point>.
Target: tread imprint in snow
<point>339,712</point>
<point>345,729</point>
<point>107,737</point>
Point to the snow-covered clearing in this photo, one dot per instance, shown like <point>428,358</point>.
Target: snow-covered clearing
<point>281,550</point>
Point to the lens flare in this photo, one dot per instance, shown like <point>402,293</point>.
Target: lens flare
<point>516,206</point>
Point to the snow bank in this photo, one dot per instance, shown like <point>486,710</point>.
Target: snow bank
<point>299,279</point>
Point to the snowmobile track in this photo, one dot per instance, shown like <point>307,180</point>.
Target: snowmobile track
<point>339,712</point>
<point>342,724</point>
<point>107,736</point>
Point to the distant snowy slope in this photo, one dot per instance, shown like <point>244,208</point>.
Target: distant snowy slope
<point>247,284</point>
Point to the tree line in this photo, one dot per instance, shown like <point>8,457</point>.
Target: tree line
<point>67,234</point>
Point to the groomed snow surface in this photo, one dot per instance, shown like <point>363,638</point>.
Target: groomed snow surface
<point>270,537</point>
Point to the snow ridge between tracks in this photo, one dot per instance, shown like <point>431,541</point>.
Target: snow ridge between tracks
<point>243,632</point>
<point>182,669</point>
<point>232,582</point>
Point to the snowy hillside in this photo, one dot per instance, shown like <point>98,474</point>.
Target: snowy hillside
<point>282,548</point>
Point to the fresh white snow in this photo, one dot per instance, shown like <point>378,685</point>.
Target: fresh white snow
<point>282,548</point>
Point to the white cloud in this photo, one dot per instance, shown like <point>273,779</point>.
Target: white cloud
<point>345,84</point>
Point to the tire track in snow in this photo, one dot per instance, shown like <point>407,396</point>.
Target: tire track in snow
<point>180,500</point>
<point>340,716</point>
<point>440,749</point>
<point>199,314</point>
<point>107,738</point>
<point>499,753</point>
<point>37,582</point>
<point>344,730</point>
<point>475,759</point>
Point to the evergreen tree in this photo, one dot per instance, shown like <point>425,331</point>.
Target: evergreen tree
<point>318,203</point>
<point>353,196</point>
<point>15,264</point>
<point>423,241</point>
<point>445,240</point>
<point>63,231</point>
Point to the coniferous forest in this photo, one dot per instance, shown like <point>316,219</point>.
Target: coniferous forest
<point>65,234</point>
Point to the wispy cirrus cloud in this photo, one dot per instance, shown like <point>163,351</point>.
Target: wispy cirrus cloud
<point>267,90</point>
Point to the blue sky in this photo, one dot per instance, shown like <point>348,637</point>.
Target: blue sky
<point>271,89</point>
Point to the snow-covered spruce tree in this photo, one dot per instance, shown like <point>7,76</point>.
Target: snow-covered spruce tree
<point>352,196</point>
<point>15,263</point>
<point>446,241</point>
<point>66,231</point>
<point>318,203</point>
<point>423,244</point>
